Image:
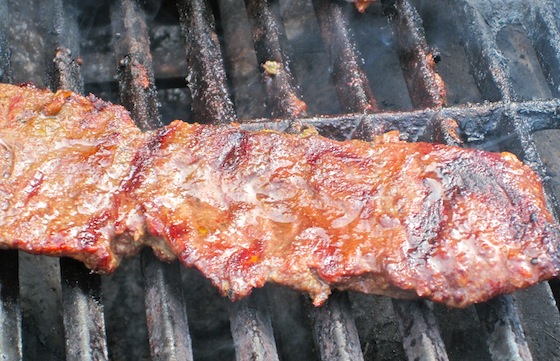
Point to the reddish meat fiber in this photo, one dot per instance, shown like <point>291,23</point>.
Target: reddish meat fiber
<point>453,225</point>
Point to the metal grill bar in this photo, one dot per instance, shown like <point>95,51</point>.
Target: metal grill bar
<point>206,75</point>
<point>165,310</point>
<point>136,76</point>
<point>503,329</point>
<point>351,81</point>
<point>491,72</point>
<point>166,316</point>
<point>244,71</point>
<point>251,328</point>
<point>421,336</point>
<point>81,291</point>
<point>546,41</point>
<point>250,319</point>
<point>335,331</point>
<point>62,42</point>
<point>270,45</point>
<point>475,124</point>
<point>542,330</point>
<point>334,318</point>
<point>84,325</point>
<point>425,86</point>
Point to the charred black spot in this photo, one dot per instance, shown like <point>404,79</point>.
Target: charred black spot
<point>485,178</point>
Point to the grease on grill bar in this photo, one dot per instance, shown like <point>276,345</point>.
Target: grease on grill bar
<point>514,327</point>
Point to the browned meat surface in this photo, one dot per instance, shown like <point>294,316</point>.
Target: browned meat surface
<point>362,5</point>
<point>453,225</point>
<point>63,159</point>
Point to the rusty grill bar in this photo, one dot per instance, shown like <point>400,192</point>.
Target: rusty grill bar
<point>349,77</point>
<point>507,327</point>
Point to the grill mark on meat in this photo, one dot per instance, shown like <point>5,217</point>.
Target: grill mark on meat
<point>33,186</point>
<point>453,225</point>
<point>6,169</point>
<point>234,151</point>
<point>143,158</point>
<point>91,233</point>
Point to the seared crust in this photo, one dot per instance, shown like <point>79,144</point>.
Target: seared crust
<point>65,156</point>
<point>453,225</point>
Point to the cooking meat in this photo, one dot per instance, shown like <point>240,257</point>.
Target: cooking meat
<point>453,225</point>
<point>362,5</point>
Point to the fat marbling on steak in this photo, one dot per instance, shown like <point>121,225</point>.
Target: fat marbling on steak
<point>453,225</point>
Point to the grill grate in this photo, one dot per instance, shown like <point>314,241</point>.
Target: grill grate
<point>259,331</point>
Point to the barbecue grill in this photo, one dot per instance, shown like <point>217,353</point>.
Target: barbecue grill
<point>475,73</point>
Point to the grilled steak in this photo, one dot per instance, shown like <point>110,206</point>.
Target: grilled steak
<point>362,5</point>
<point>453,225</point>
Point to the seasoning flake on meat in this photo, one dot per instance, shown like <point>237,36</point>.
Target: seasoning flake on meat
<point>453,225</point>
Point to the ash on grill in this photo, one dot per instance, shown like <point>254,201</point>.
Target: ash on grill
<point>472,72</point>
